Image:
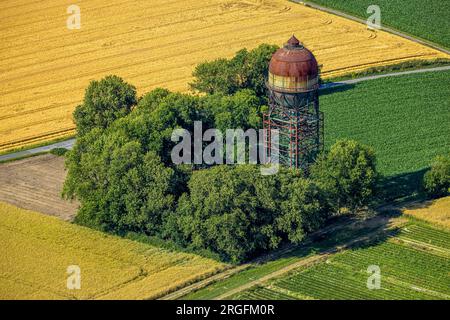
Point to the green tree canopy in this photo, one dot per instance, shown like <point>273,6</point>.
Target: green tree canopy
<point>246,70</point>
<point>120,186</point>
<point>237,212</point>
<point>123,175</point>
<point>104,102</point>
<point>304,210</point>
<point>121,170</point>
<point>347,173</point>
<point>240,110</point>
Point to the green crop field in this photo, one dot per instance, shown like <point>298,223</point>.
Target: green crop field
<point>405,118</point>
<point>427,20</point>
<point>410,268</point>
<point>331,239</point>
<point>423,234</point>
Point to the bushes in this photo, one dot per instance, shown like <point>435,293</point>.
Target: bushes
<point>437,180</point>
<point>59,151</point>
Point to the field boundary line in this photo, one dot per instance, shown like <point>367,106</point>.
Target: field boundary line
<point>67,144</point>
<point>386,29</point>
<point>379,76</point>
<point>203,283</point>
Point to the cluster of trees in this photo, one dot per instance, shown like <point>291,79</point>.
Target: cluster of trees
<point>237,212</point>
<point>247,69</point>
<point>120,168</point>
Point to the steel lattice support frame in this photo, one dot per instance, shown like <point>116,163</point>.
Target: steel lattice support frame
<point>299,122</point>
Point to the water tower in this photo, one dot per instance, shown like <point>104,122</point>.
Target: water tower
<point>293,85</point>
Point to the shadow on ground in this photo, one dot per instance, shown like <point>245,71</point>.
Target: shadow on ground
<point>347,232</point>
<point>402,187</point>
<point>334,87</point>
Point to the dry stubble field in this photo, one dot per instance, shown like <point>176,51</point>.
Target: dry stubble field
<point>44,67</point>
<point>434,211</point>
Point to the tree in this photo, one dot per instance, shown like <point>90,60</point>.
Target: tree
<point>123,174</point>
<point>151,100</point>
<point>304,210</point>
<point>214,77</point>
<point>437,179</point>
<point>238,111</point>
<point>223,212</point>
<point>121,188</point>
<point>257,68</point>
<point>246,70</point>
<point>104,102</point>
<point>174,111</point>
<point>347,174</point>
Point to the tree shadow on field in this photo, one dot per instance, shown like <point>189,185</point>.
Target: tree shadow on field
<point>402,187</point>
<point>334,87</point>
<point>420,204</point>
<point>345,232</point>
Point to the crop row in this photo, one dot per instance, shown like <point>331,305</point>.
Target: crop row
<point>262,293</point>
<point>422,21</point>
<point>330,281</point>
<point>406,273</point>
<point>426,235</point>
<point>405,124</point>
<point>415,267</point>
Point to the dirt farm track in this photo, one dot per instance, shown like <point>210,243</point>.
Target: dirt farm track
<point>45,67</point>
<point>35,184</point>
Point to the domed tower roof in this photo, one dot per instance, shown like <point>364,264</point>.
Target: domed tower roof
<point>293,68</point>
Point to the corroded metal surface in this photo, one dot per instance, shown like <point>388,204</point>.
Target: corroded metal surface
<point>293,68</point>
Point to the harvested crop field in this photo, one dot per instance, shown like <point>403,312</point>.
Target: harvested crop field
<point>436,211</point>
<point>36,183</point>
<point>44,66</point>
<point>37,250</point>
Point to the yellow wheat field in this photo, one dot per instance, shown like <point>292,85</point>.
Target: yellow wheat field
<point>437,211</point>
<point>44,66</point>
<point>36,251</point>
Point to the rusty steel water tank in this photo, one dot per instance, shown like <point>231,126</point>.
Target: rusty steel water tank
<point>293,69</point>
<point>293,115</point>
